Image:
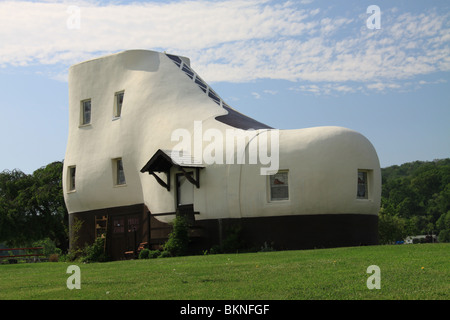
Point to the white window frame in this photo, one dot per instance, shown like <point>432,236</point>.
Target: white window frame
<point>117,110</point>
<point>366,184</point>
<point>83,121</point>
<point>117,164</point>
<point>71,179</point>
<point>272,178</point>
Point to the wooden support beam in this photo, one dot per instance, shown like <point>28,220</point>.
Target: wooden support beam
<point>190,178</point>
<point>161,182</point>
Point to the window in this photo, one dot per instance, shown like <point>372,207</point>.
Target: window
<point>279,186</point>
<point>133,224</point>
<point>118,225</point>
<point>363,191</point>
<point>118,101</point>
<point>86,112</point>
<point>119,174</point>
<point>71,179</point>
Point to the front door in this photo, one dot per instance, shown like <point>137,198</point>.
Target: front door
<point>133,230</point>
<point>185,190</point>
<point>126,235</point>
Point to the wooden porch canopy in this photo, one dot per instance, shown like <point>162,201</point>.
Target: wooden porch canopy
<point>162,161</point>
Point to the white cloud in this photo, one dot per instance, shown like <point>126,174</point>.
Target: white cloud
<point>380,86</point>
<point>256,95</point>
<point>236,40</point>
<point>335,89</point>
<point>326,88</point>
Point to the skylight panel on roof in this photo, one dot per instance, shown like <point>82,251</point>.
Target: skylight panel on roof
<point>213,96</point>
<point>194,76</point>
<point>201,84</point>
<point>233,117</point>
<point>188,71</point>
<point>175,59</point>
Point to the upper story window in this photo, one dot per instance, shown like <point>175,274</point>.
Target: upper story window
<point>279,186</point>
<point>119,174</point>
<point>85,112</point>
<point>71,178</point>
<point>363,191</point>
<point>118,102</point>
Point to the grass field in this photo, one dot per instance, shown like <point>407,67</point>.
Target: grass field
<point>414,272</point>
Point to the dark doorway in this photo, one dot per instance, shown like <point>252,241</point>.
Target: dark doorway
<point>126,235</point>
<point>185,189</point>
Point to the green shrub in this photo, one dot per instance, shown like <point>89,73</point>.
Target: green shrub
<point>72,255</point>
<point>49,247</point>
<point>149,254</point>
<point>165,254</point>
<point>233,242</point>
<point>216,249</point>
<point>153,254</point>
<point>95,252</point>
<point>178,241</point>
<point>144,254</point>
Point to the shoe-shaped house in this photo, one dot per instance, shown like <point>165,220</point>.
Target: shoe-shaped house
<point>149,139</point>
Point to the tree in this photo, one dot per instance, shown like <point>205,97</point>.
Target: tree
<point>444,236</point>
<point>443,227</point>
<point>13,190</point>
<point>439,203</point>
<point>46,201</point>
<point>391,228</point>
<point>32,206</point>
<point>417,193</point>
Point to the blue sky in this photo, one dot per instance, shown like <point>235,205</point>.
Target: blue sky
<point>289,64</point>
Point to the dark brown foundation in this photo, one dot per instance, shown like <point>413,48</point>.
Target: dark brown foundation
<point>129,226</point>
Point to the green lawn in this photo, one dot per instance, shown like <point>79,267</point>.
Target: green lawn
<point>419,271</point>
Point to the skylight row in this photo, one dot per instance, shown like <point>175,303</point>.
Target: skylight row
<point>196,78</point>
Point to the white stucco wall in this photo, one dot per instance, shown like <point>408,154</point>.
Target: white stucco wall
<point>323,163</point>
<point>159,98</point>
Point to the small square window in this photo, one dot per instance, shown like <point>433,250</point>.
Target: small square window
<point>85,112</point>
<point>71,178</point>
<point>119,174</point>
<point>118,225</point>
<point>279,186</point>
<point>363,190</point>
<point>118,102</point>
